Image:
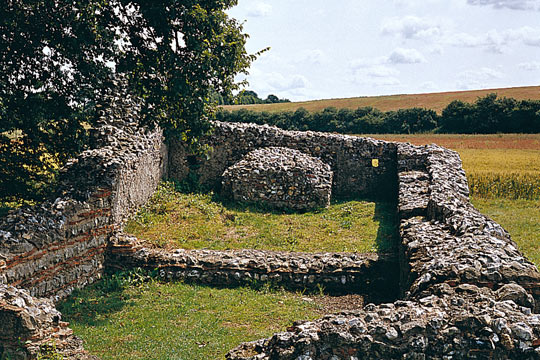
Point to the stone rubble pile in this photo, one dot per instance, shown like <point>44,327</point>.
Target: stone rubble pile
<point>279,178</point>
<point>29,325</point>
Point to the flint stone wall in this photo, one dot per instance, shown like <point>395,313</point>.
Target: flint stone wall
<point>349,157</point>
<point>341,273</point>
<point>279,178</point>
<point>59,245</point>
<point>467,292</point>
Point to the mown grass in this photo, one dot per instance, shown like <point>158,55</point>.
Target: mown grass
<point>173,219</point>
<point>434,101</point>
<point>154,320</point>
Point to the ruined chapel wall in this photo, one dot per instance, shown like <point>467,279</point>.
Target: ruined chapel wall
<point>350,157</point>
<point>468,292</point>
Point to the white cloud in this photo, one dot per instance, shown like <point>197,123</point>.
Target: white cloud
<point>497,41</point>
<point>397,56</point>
<point>428,86</point>
<point>476,79</point>
<point>436,49</point>
<point>313,56</point>
<point>508,4</point>
<point>530,66</point>
<point>406,56</point>
<point>259,9</point>
<point>278,82</point>
<point>410,27</point>
<point>376,75</point>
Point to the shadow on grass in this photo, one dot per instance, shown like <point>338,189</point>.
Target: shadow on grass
<point>91,305</point>
<point>388,231</point>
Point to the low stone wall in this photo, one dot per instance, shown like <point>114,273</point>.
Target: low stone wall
<point>59,245</point>
<point>465,322</point>
<point>444,238</point>
<point>351,158</point>
<point>372,275</point>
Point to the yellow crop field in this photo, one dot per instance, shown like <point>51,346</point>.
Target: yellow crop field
<point>435,101</point>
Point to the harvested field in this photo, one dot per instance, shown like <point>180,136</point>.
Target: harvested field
<point>434,101</point>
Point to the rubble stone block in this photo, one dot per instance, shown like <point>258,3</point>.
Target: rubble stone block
<point>279,178</point>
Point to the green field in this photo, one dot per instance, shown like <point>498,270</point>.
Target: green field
<point>153,320</point>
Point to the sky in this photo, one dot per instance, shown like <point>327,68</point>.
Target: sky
<point>321,49</point>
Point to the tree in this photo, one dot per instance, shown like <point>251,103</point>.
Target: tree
<point>57,58</point>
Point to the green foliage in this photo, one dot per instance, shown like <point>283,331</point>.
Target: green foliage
<point>345,121</point>
<point>48,351</point>
<point>244,97</point>
<point>58,59</point>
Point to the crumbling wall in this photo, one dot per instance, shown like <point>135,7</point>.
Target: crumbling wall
<point>467,291</point>
<point>59,245</point>
<point>361,166</point>
<point>372,275</point>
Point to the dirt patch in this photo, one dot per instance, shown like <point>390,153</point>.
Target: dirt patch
<point>331,304</point>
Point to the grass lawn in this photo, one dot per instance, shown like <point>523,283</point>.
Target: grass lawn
<point>154,320</point>
<point>173,219</point>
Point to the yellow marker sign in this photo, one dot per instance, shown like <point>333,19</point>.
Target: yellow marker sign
<point>375,162</point>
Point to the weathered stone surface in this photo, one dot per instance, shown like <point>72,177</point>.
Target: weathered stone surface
<point>372,275</point>
<point>350,157</point>
<point>279,178</point>
<point>464,322</point>
<point>28,323</point>
<point>57,246</point>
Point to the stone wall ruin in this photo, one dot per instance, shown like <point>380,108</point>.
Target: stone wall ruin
<point>466,291</point>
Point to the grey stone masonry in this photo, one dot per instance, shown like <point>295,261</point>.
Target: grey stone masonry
<point>372,275</point>
<point>467,291</point>
<point>55,247</point>
<point>361,166</point>
<point>279,178</point>
<point>463,322</point>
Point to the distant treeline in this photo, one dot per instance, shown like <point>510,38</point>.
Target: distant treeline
<point>487,115</point>
<point>244,97</point>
